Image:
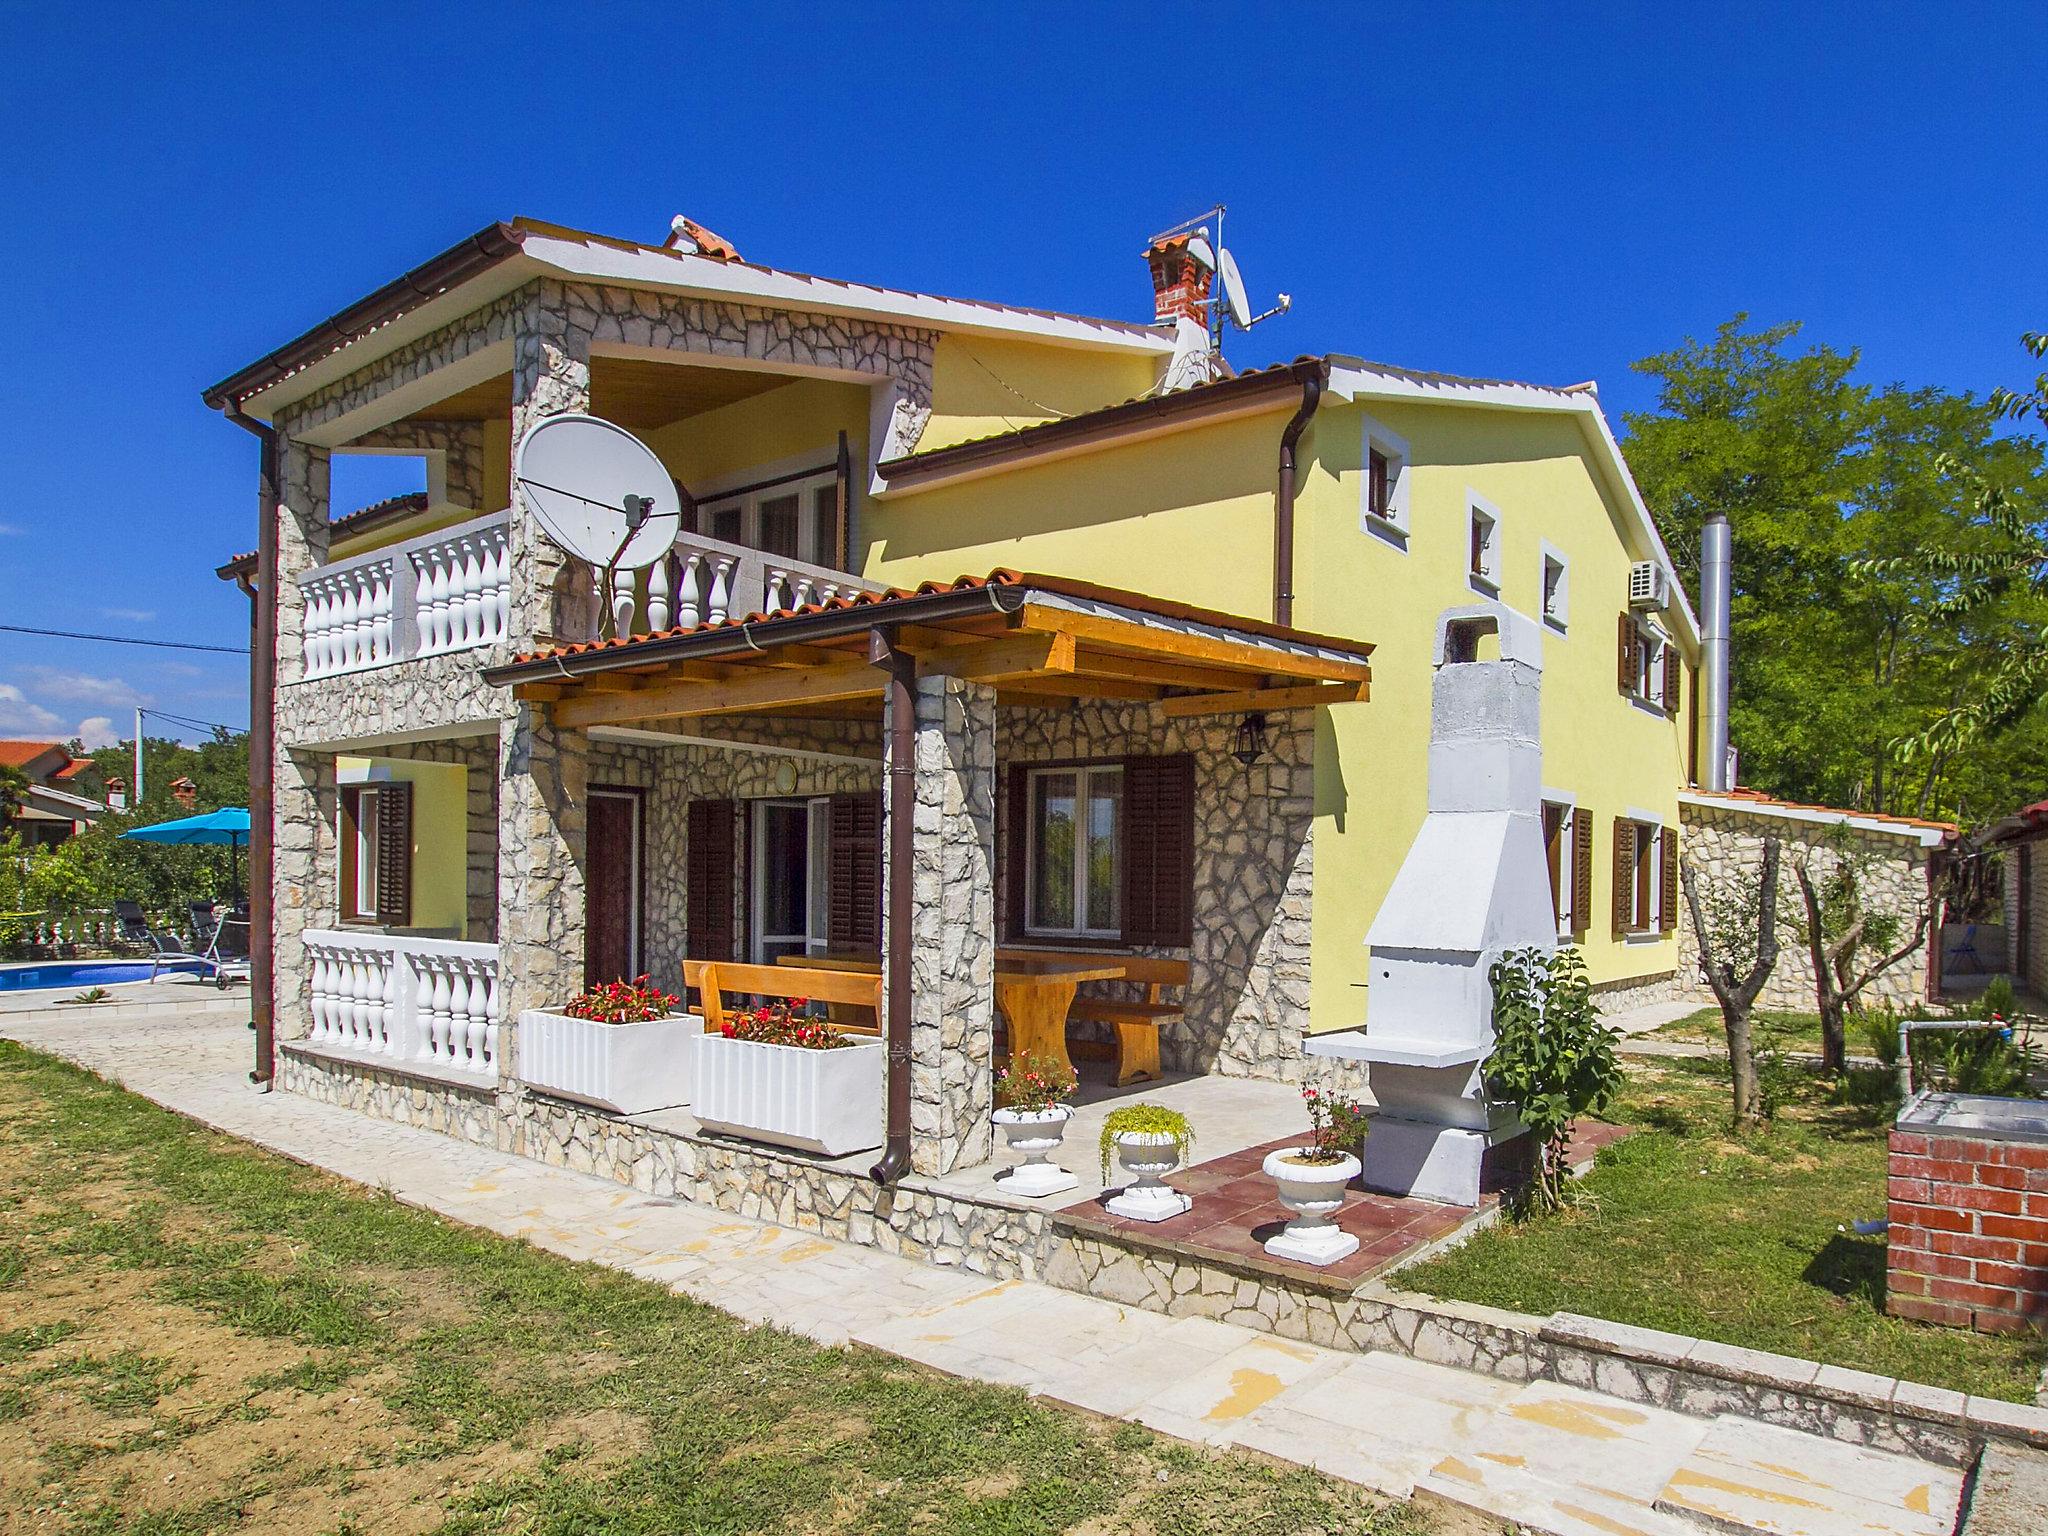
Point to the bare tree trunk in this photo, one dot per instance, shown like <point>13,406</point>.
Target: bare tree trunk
<point>1737,995</point>
<point>1834,1041</point>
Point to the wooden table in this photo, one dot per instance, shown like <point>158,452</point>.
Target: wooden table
<point>1033,993</point>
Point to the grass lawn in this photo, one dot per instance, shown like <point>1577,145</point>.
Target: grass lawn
<point>198,1336</point>
<point>1791,1031</point>
<point>1688,1227</point>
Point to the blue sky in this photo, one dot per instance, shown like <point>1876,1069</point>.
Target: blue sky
<point>1475,188</point>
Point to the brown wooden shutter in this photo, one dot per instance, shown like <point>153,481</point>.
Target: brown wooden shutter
<point>1624,874</point>
<point>707,873</point>
<point>1667,892</point>
<point>1013,850</point>
<point>394,854</point>
<point>1673,678</point>
<point>1582,871</point>
<point>1159,851</point>
<point>1629,637</point>
<point>853,879</point>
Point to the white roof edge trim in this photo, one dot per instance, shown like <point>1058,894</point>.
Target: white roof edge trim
<point>1354,382</point>
<point>1926,837</point>
<point>1149,620</point>
<point>724,280</point>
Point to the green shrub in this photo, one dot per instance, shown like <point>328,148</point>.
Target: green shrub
<point>1552,1057</point>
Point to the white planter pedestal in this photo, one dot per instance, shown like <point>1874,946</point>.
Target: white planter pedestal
<point>819,1101</point>
<point>1034,1134</point>
<point>627,1068</point>
<point>1147,1156</point>
<point>1315,1193</point>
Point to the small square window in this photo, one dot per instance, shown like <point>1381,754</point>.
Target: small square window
<point>1483,562</point>
<point>1556,589</point>
<point>1383,492</point>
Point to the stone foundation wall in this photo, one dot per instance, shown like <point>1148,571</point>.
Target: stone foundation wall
<point>1248,994</point>
<point>1725,847</point>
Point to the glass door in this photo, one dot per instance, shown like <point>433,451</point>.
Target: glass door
<point>790,866</point>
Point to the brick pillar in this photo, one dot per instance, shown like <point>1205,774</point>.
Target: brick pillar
<point>1968,1244</point>
<point>542,771</point>
<point>952,998</point>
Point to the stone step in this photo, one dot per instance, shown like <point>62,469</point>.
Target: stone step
<point>1745,1476</point>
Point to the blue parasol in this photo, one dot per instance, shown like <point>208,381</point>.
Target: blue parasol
<point>229,825</point>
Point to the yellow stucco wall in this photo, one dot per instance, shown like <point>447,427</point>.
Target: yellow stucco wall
<point>800,419</point>
<point>1612,755</point>
<point>983,385</point>
<point>440,834</point>
<point>1188,517</point>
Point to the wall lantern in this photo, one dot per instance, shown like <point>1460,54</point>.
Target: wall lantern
<point>1251,740</point>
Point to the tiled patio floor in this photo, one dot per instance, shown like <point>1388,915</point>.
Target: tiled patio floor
<point>1235,1212</point>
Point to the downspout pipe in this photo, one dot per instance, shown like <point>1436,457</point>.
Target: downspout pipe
<point>901,777</point>
<point>1313,377</point>
<point>262,744</point>
<point>1716,589</point>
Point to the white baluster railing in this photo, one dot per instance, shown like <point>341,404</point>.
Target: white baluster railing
<point>449,590</point>
<point>707,581</point>
<point>429,1001</point>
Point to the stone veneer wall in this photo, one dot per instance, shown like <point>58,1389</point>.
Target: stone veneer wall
<point>1725,845</point>
<point>1248,993</point>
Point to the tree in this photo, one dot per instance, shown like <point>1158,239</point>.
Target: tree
<point>13,794</point>
<point>1841,935</point>
<point>1738,939</point>
<point>2009,561</point>
<point>1836,656</point>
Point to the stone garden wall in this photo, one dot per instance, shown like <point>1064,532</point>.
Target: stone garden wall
<point>1248,997</point>
<point>1724,846</point>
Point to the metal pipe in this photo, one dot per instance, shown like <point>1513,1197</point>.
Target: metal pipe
<point>901,777</point>
<point>1283,493</point>
<point>1716,588</point>
<point>262,742</point>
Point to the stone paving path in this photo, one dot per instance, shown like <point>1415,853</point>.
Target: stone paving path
<point>1552,1457</point>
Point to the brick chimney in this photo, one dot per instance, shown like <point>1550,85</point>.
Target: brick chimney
<point>1180,284</point>
<point>185,792</point>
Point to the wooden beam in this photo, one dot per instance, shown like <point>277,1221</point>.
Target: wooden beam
<point>1071,685</point>
<point>798,654</point>
<point>1180,645</point>
<point>613,682</point>
<point>1012,654</point>
<point>1259,700</point>
<point>1173,674</point>
<point>751,688</point>
<point>538,693</point>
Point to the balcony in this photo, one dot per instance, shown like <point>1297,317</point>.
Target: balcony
<point>422,1003</point>
<point>450,590</point>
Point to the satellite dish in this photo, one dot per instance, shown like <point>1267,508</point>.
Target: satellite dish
<point>598,491</point>
<point>1233,290</point>
<point>1200,251</point>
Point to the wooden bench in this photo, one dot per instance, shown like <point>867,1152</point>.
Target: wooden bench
<point>714,978</point>
<point>1133,1021</point>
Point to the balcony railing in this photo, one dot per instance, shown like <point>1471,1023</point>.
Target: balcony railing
<point>449,590</point>
<point>431,1002</point>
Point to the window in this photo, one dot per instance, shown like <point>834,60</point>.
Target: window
<point>1383,494</point>
<point>1076,833</point>
<point>1650,670</point>
<point>375,837</point>
<point>1645,877</point>
<point>1557,852</point>
<point>1556,589</point>
<point>1484,561</point>
<point>791,519</point>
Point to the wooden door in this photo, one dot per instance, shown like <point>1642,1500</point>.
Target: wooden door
<point>611,932</point>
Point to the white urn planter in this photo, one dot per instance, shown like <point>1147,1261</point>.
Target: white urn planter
<point>627,1068</point>
<point>1148,1156</point>
<point>1314,1192</point>
<point>819,1101</point>
<point>1034,1134</point>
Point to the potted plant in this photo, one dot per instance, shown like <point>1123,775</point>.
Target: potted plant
<point>1032,1110</point>
<point>619,1046</point>
<point>1312,1179</point>
<point>1150,1141</point>
<point>774,1073</point>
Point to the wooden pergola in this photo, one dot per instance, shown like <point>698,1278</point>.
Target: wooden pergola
<point>1039,641</point>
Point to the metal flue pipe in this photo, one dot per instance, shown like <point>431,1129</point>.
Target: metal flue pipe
<point>1716,582</point>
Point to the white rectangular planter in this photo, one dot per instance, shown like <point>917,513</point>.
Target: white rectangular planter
<point>629,1068</point>
<point>821,1101</point>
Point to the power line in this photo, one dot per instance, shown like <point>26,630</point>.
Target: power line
<point>168,645</point>
<point>190,723</point>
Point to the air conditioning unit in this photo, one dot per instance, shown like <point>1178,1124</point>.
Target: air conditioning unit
<point>1649,585</point>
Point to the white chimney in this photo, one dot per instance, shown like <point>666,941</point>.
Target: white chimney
<point>1716,584</point>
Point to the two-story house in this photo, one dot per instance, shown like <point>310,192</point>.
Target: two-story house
<point>1151,639</point>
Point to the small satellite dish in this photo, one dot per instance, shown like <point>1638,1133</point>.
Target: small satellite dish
<point>1233,290</point>
<point>598,491</point>
<point>1200,251</point>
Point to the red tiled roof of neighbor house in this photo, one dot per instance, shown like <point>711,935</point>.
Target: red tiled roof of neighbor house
<point>1758,797</point>
<point>2025,825</point>
<point>19,754</point>
<point>1057,585</point>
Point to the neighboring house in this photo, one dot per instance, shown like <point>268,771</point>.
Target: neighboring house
<point>2020,837</point>
<point>63,792</point>
<point>1195,727</point>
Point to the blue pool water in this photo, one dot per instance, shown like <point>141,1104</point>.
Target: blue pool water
<point>79,973</point>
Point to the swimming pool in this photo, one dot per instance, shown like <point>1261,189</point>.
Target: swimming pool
<point>81,973</point>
